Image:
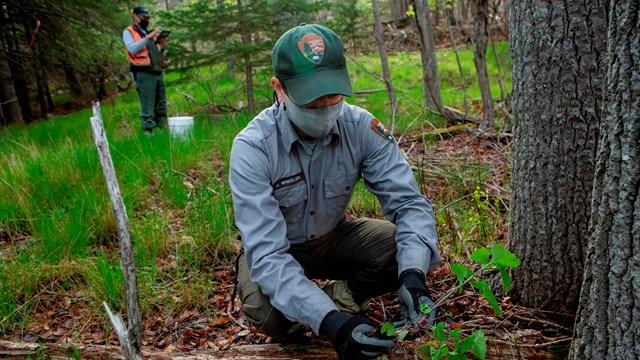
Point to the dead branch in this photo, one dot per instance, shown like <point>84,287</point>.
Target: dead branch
<point>255,352</point>
<point>489,135</point>
<point>189,98</point>
<point>208,105</point>
<point>450,131</point>
<point>540,321</point>
<point>130,337</point>
<point>373,91</point>
<point>533,346</point>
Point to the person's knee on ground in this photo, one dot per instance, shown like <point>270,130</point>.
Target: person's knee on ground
<point>257,307</point>
<point>266,319</point>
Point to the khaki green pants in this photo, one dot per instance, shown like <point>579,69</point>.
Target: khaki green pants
<point>153,99</point>
<point>362,252</point>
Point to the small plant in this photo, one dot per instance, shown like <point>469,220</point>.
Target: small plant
<point>439,348</point>
<point>497,258</point>
<point>483,213</point>
<point>452,346</point>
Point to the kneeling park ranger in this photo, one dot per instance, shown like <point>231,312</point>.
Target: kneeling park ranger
<point>293,170</point>
<point>146,55</point>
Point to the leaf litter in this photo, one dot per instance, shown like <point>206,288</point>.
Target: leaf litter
<point>63,316</point>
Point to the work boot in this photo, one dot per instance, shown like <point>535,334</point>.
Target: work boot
<point>343,297</point>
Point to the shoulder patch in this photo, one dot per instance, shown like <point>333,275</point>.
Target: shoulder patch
<point>379,129</point>
<point>288,181</point>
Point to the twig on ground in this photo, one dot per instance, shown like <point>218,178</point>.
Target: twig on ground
<point>453,202</point>
<point>540,321</point>
<point>233,320</point>
<point>533,346</point>
<point>194,180</point>
<point>489,135</point>
<point>18,308</point>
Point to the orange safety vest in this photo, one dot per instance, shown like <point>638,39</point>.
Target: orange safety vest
<point>142,58</point>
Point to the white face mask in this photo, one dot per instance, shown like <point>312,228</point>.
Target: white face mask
<point>317,122</point>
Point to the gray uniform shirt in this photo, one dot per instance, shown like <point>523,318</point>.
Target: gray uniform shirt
<point>281,196</point>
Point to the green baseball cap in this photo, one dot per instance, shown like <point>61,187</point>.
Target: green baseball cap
<point>310,60</point>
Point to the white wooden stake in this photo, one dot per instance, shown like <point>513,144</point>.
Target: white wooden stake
<point>130,338</point>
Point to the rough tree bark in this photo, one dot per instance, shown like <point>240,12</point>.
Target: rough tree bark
<point>480,62</point>
<point>10,112</point>
<point>609,315</point>
<point>557,49</point>
<point>430,81</point>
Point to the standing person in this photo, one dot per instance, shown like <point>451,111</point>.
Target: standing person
<point>146,54</point>
<point>293,170</point>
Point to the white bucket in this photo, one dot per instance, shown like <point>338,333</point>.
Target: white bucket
<point>180,126</point>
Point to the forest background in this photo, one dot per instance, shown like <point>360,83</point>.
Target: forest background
<point>439,74</point>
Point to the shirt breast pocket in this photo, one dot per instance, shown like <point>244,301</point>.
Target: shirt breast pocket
<point>292,200</point>
<point>338,191</point>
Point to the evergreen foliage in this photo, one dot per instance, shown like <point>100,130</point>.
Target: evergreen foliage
<point>74,42</point>
<point>209,34</point>
<point>353,21</point>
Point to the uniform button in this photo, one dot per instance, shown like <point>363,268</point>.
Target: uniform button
<point>313,186</point>
<point>347,188</point>
<point>312,212</point>
<point>312,237</point>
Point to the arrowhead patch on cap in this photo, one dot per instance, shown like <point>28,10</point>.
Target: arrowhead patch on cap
<point>312,48</point>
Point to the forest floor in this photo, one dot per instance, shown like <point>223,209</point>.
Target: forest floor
<point>64,327</point>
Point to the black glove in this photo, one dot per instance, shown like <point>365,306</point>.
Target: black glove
<point>348,334</point>
<point>412,293</point>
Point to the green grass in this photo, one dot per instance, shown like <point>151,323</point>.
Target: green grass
<point>406,74</point>
<point>57,229</point>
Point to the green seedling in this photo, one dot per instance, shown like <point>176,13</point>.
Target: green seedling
<point>451,345</point>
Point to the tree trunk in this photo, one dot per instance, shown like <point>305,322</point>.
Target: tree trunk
<point>609,322</point>
<point>98,80</point>
<point>464,12</point>
<point>10,112</point>
<point>480,61</point>
<point>18,74</point>
<point>384,61</point>
<point>557,51</point>
<point>462,77</point>
<point>72,81</point>
<point>398,9</point>
<point>41,82</point>
<point>248,70</point>
<point>47,93</point>
<point>436,15</point>
<point>430,81</point>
